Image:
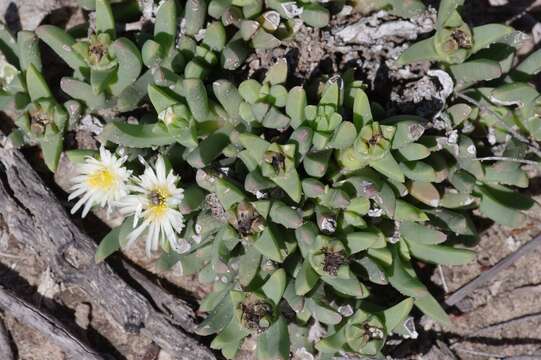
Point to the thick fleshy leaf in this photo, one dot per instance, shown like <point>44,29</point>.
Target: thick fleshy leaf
<point>359,241</point>
<point>249,266</point>
<point>430,307</point>
<point>100,78</point>
<point>418,170</point>
<point>454,221</point>
<point>388,167</point>
<point>277,73</point>
<point>215,36</point>
<point>306,279</point>
<point>402,277</point>
<point>194,197</point>
<point>269,245</point>
<point>264,40</point>
<point>344,136</point>
<point>138,135</point>
<point>37,86</point>
<point>439,254</point>
<point>306,237</point>
<point>291,184</point>
<point>230,338</point>
<point>421,234</point>
<point>196,12</point>
<point>407,212</point>
<point>422,50</point>
<point>407,131</point>
<point>8,46</point>
<point>284,215</point>
<point>165,26</point>
<point>531,65</point>
<point>414,151</point>
<point>316,163</point>
<point>255,146</point>
<point>196,96</point>
<point>161,98</point>
<point>302,138</point>
<point>130,64</point>
<point>322,313</point>
<point>503,206</point>
<point>351,286</point>
<point>274,342</point>
<point>105,21</point>
<point>29,53</point>
<point>296,102</point>
<point>61,43</point>
<point>78,156</point>
<point>506,173</point>
<point>228,193</point>
<point>276,284</point>
<point>228,96</point>
<point>82,91</point>
<point>108,245</point>
<point>473,71</point>
<point>395,315</point>
<point>315,15</point>
<point>485,35</point>
<point>135,93</point>
<point>516,93</point>
<point>425,192</point>
<point>218,318</point>
<point>51,145</point>
<point>234,53</point>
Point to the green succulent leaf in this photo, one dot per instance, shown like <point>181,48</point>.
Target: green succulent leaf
<point>37,86</point>
<point>274,342</point>
<point>29,53</point>
<point>62,44</point>
<point>130,64</point>
<point>396,314</point>
<point>275,286</point>
<point>105,21</point>
<point>439,254</point>
<point>108,245</point>
<point>139,135</point>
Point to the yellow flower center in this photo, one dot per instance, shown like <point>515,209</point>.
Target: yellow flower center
<point>102,179</point>
<point>158,203</point>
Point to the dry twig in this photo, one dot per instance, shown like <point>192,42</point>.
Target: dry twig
<point>467,289</point>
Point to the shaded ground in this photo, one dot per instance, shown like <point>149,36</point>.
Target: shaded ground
<point>499,320</point>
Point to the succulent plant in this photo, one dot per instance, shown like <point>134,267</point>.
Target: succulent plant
<point>454,41</point>
<point>41,119</point>
<point>306,218</point>
<point>301,205</point>
<point>104,67</point>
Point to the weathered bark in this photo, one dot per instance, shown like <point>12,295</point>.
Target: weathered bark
<point>34,216</point>
<point>31,316</point>
<point>5,347</point>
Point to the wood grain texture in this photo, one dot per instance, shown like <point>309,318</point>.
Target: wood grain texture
<point>31,316</point>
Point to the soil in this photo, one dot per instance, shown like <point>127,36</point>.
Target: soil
<point>499,320</point>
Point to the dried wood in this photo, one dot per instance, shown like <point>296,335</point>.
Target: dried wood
<point>5,346</point>
<point>486,276</point>
<point>33,317</point>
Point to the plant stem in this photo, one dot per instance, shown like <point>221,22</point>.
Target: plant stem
<point>503,158</point>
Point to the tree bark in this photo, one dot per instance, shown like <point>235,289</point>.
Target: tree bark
<point>5,346</point>
<point>31,316</point>
<point>35,217</point>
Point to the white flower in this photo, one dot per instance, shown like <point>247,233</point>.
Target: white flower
<point>154,200</point>
<point>100,182</point>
